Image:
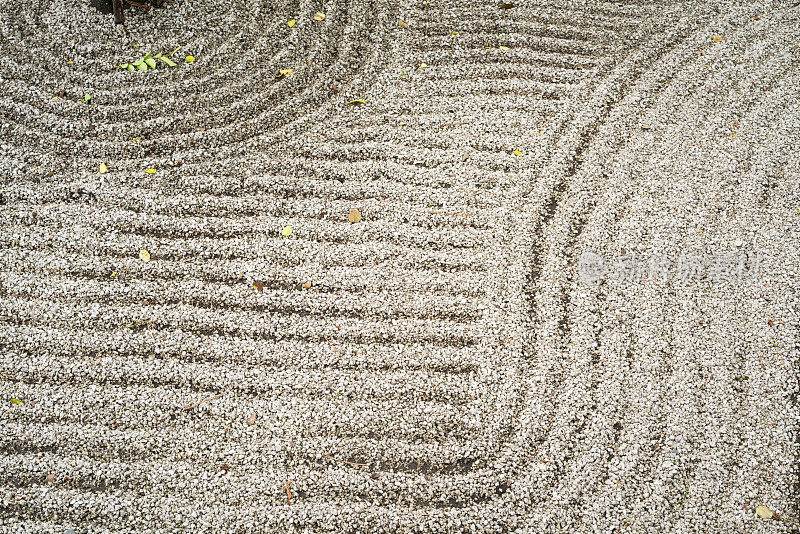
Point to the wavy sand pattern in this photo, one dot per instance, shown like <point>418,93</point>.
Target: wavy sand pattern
<point>595,333</point>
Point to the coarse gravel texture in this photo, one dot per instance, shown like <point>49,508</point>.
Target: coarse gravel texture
<point>571,304</point>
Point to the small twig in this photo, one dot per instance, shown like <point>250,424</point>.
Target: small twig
<point>288,484</point>
<point>456,123</point>
<point>137,4</point>
<point>132,325</point>
<point>195,405</point>
<point>343,461</point>
<point>14,378</point>
<point>447,213</point>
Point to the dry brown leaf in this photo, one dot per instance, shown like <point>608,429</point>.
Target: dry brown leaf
<point>319,16</point>
<point>307,285</point>
<point>50,478</point>
<point>402,23</point>
<point>251,420</point>
<point>258,285</point>
<point>717,38</point>
<point>764,512</point>
<point>354,217</point>
<point>507,6</point>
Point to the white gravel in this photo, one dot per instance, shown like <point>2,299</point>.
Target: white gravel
<point>596,333</point>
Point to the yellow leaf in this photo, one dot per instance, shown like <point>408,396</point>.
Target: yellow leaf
<point>287,72</point>
<point>354,217</point>
<point>189,59</point>
<point>291,23</point>
<point>103,168</point>
<point>517,153</point>
<point>717,38</point>
<point>764,512</point>
<point>453,33</point>
<point>357,102</point>
<point>319,16</point>
<point>423,65</point>
<point>307,285</point>
<point>150,171</point>
<point>144,255</point>
<point>287,231</point>
<point>504,48</point>
<point>402,24</point>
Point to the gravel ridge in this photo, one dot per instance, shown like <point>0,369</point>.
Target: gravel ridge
<point>570,304</point>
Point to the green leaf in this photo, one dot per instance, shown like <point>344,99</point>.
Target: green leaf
<point>169,62</point>
<point>174,51</point>
<point>123,66</point>
<point>150,62</point>
<point>131,68</point>
<point>157,56</point>
<point>142,66</point>
<point>17,401</point>
<point>87,97</point>
<point>287,231</point>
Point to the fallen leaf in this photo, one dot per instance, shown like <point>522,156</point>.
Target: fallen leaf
<point>251,420</point>
<point>503,48</point>
<point>287,231</point>
<point>103,168</point>
<point>423,65</point>
<point>354,217</point>
<point>225,467</point>
<point>517,153</point>
<point>189,59</point>
<point>87,97</point>
<point>402,24</point>
<point>17,401</point>
<point>291,23</point>
<point>307,285</point>
<point>168,61</point>
<point>319,16</point>
<point>507,6</point>
<point>150,171</point>
<point>764,512</point>
<point>144,255</point>
<point>357,102</point>
<point>50,478</point>
<point>717,38</point>
<point>287,72</point>
<point>258,285</point>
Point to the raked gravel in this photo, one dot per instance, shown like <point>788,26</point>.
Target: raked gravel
<point>570,305</point>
